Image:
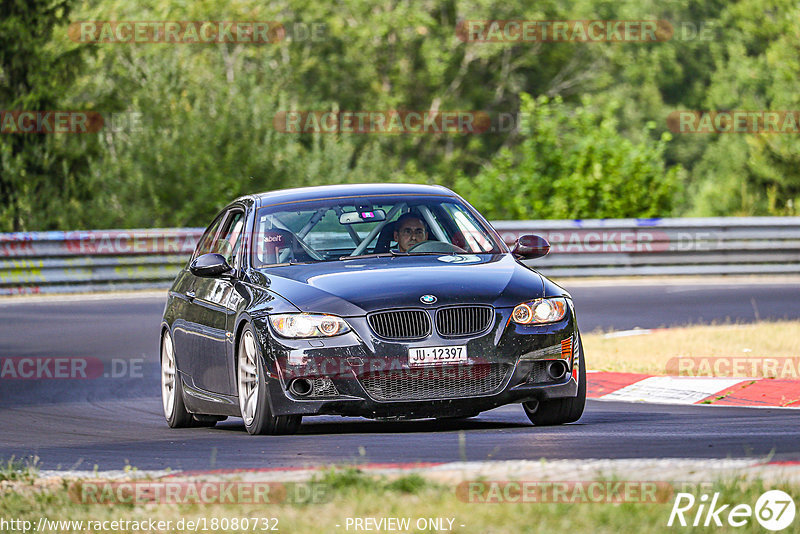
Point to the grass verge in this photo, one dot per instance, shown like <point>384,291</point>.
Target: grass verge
<point>354,494</point>
<point>16,470</point>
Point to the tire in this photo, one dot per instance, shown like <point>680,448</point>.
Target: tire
<point>560,411</point>
<point>252,391</point>
<point>171,388</point>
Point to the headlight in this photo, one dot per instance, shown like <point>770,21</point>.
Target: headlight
<point>299,325</point>
<point>540,311</point>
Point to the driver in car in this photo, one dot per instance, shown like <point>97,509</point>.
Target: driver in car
<point>409,230</point>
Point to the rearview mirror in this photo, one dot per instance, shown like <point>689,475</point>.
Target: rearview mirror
<point>210,265</point>
<point>531,246</point>
<point>354,217</point>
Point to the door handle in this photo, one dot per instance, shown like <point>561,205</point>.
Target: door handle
<point>191,295</point>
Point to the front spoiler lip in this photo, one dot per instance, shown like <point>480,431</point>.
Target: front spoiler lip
<point>364,406</point>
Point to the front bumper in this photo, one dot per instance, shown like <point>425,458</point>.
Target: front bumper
<point>508,359</point>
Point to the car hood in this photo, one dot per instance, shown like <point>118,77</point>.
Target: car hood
<point>356,287</point>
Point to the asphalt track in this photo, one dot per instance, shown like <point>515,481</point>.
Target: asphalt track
<point>114,421</point>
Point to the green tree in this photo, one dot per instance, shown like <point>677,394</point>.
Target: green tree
<point>573,163</point>
<point>757,68</point>
<point>206,110</point>
<point>42,177</point>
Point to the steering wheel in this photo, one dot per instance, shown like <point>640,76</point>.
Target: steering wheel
<point>436,246</point>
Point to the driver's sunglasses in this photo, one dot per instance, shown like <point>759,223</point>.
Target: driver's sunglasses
<point>408,232</point>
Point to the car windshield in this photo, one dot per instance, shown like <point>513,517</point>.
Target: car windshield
<point>339,229</point>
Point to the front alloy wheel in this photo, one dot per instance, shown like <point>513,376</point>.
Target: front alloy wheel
<point>253,401</point>
<point>171,389</point>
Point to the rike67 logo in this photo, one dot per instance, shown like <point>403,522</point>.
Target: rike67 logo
<point>774,510</point>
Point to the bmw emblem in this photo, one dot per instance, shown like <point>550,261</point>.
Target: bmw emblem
<point>428,299</point>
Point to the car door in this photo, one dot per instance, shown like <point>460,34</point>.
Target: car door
<point>212,308</point>
<point>200,332</point>
<point>186,331</point>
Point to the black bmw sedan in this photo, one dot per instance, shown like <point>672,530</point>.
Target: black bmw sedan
<point>390,301</point>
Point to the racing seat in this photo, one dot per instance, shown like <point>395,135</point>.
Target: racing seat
<point>385,238</point>
<point>280,246</point>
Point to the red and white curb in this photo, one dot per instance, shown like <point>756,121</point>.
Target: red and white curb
<point>764,392</point>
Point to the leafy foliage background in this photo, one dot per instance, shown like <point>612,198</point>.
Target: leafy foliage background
<point>590,136</point>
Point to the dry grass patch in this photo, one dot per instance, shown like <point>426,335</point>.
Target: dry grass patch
<point>708,350</point>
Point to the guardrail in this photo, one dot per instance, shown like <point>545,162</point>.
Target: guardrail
<point>64,262</point>
<point>56,262</point>
<point>691,246</point>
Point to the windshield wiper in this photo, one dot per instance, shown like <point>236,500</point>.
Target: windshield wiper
<point>285,263</point>
<point>389,254</point>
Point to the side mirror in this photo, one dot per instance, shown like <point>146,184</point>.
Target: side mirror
<point>531,246</point>
<point>210,265</point>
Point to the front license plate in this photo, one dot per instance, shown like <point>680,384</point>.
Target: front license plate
<point>437,355</point>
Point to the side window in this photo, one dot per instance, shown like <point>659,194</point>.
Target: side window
<point>230,238</point>
<point>206,242</point>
